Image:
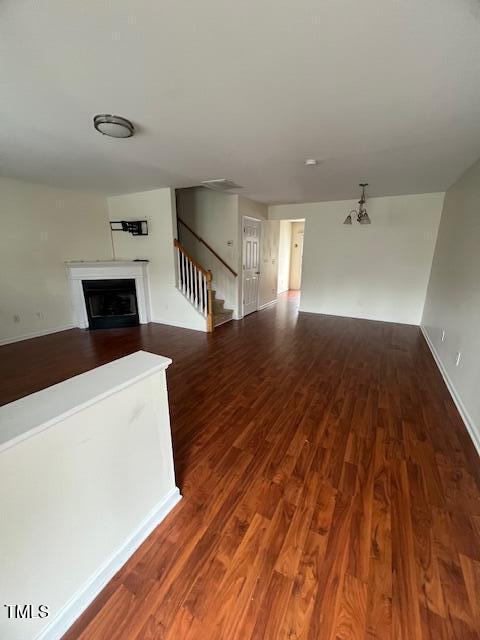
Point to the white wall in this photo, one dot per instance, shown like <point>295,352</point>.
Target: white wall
<point>453,297</point>
<point>218,219</point>
<point>214,217</point>
<point>168,305</point>
<point>378,271</point>
<point>41,228</point>
<point>284,251</point>
<point>79,496</point>
<point>267,290</point>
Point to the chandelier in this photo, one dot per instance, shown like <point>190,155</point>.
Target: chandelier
<point>361,213</point>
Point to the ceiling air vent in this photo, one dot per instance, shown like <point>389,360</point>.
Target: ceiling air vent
<point>222,184</point>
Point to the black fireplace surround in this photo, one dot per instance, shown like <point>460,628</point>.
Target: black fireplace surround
<point>111,303</point>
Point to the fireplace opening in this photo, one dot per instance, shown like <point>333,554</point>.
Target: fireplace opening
<point>111,303</point>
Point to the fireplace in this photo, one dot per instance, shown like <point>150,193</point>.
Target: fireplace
<point>111,303</point>
<point>88,314</point>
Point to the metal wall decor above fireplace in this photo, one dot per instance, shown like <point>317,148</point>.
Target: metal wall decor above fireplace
<point>111,303</point>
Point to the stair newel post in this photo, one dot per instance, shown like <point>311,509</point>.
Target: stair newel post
<point>210,318</point>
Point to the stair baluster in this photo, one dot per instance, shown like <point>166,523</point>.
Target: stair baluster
<point>195,282</point>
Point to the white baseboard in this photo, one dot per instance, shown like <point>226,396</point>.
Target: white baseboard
<point>267,304</point>
<point>181,325</point>
<point>36,334</point>
<point>88,592</point>
<point>46,332</point>
<point>472,429</point>
<point>334,314</point>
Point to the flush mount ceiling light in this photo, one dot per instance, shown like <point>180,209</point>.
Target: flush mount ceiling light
<point>311,162</point>
<point>362,215</point>
<point>113,126</point>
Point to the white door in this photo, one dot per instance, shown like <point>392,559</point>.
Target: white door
<point>251,264</point>
<point>298,230</point>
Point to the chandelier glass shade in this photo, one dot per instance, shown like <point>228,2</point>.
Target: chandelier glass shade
<point>360,213</point>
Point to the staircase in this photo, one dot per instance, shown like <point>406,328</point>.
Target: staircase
<point>195,282</point>
<point>220,314</point>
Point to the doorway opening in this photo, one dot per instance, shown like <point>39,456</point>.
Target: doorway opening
<point>290,256</point>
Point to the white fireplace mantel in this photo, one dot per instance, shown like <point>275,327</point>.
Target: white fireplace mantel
<point>113,269</point>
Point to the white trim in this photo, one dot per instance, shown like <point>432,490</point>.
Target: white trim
<point>268,304</point>
<point>86,594</point>
<point>302,309</point>
<point>260,239</point>
<point>181,325</point>
<point>36,334</point>
<point>462,410</point>
<point>79,271</point>
<point>32,414</point>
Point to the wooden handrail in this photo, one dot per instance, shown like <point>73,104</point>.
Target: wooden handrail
<point>180,247</point>
<point>193,288</point>
<point>235,274</point>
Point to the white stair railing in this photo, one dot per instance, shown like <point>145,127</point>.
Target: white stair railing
<point>195,282</point>
<point>224,276</point>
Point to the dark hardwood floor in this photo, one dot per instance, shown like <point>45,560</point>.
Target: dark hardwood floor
<point>331,491</point>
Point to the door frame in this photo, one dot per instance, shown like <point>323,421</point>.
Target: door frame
<point>260,221</point>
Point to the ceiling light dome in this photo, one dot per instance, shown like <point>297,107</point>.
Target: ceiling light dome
<point>113,126</point>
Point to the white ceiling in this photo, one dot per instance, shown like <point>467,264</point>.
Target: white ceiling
<point>386,91</point>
